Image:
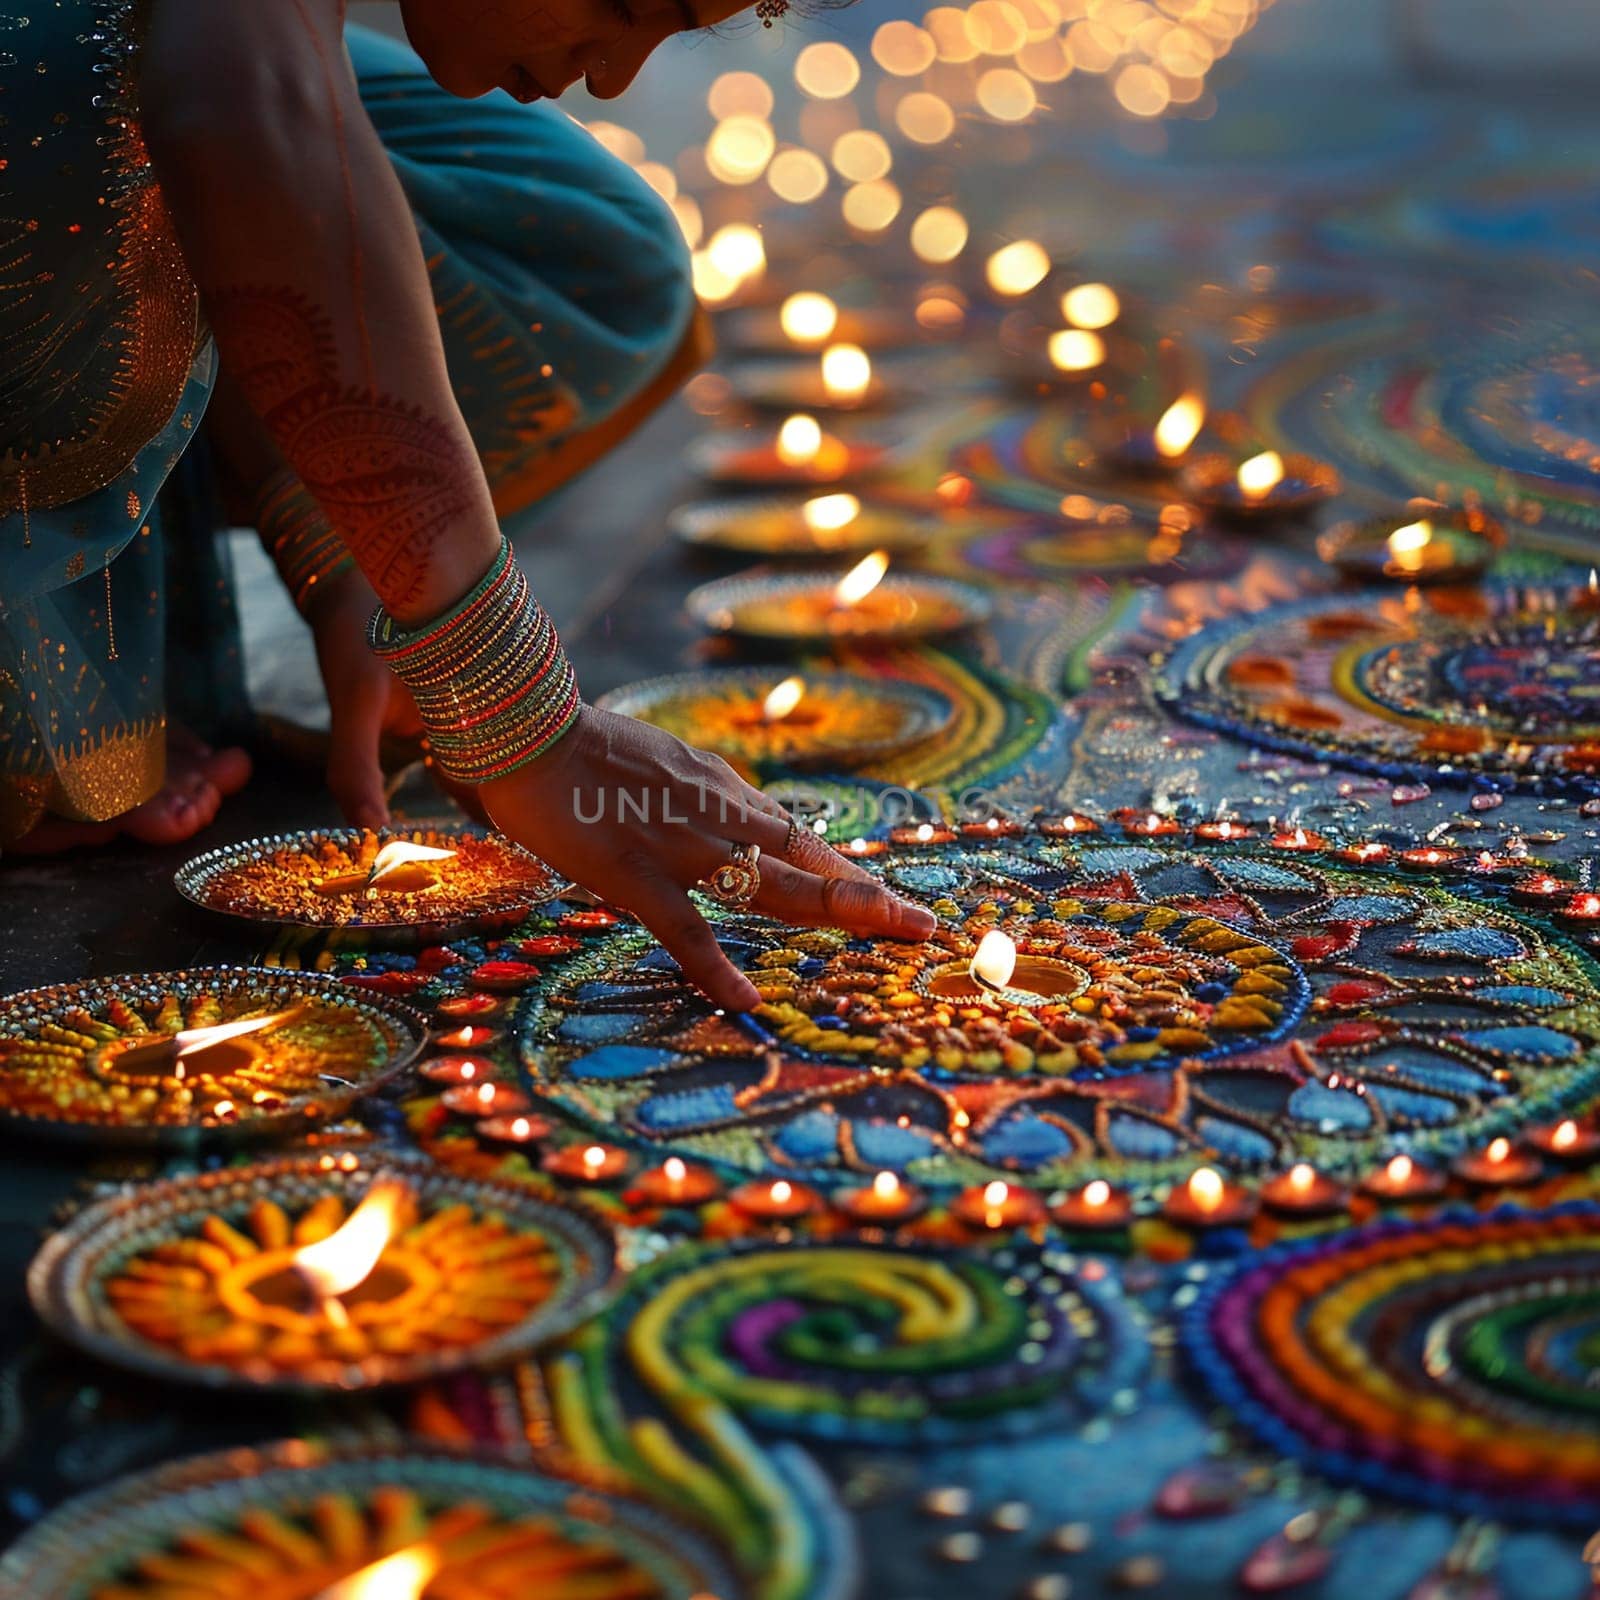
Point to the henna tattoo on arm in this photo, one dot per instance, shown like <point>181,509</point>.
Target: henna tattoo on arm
<point>389,477</point>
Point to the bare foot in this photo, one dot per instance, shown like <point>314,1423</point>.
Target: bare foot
<point>198,780</point>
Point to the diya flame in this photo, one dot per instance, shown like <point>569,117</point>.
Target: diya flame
<point>861,579</point>
<point>402,853</point>
<point>1180,425</point>
<point>346,1258</point>
<point>402,1576</point>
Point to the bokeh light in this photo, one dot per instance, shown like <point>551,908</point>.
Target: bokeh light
<point>939,234</point>
<point>737,252</point>
<point>1017,267</point>
<point>1091,305</point>
<point>687,210</point>
<point>736,94</point>
<point>660,178</point>
<point>739,149</point>
<point>826,70</point>
<point>623,143</point>
<point>871,207</point>
<point>862,155</point>
<point>798,176</point>
<point>947,26</point>
<point>924,118</point>
<point>903,49</point>
<point>1076,350</point>
<point>846,371</point>
<point>1007,95</point>
<point>996,28</point>
<point>808,317</point>
<point>1142,90</point>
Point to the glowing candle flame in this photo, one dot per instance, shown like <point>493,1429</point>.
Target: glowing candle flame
<point>594,1158</point>
<point>1180,425</point>
<point>521,1127</point>
<point>1302,1175</point>
<point>191,1040</point>
<point>1205,1188</point>
<point>1096,1193</point>
<point>1411,538</point>
<point>402,1576</point>
<point>996,1194</point>
<point>846,371</point>
<point>808,318</point>
<point>1260,474</point>
<point>675,1169</point>
<point>1091,305</point>
<point>886,1186</point>
<point>924,832</point>
<point>1400,1170</point>
<point>1594,581</point>
<point>782,1192</point>
<point>401,853</point>
<point>345,1259</point>
<point>799,440</point>
<point>782,699</point>
<point>828,513</point>
<point>995,960</point>
<point>1499,1150</point>
<point>1565,1136</point>
<point>861,579</point>
<point>1076,350</point>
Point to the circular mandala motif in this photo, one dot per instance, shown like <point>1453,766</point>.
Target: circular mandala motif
<point>879,1345</point>
<point>1169,1006</point>
<point>1509,423</point>
<point>1449,1362</point>
<point>297,1519</point>
<point>1500,685</point>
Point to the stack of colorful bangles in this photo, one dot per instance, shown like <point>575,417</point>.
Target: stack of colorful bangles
<point>493,686</point>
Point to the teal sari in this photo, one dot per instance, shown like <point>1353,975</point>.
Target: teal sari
<point>565,306</point>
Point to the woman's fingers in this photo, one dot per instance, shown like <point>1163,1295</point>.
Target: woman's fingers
<point>862,905</point>
<point>356,724</point>
<point>667,911</point>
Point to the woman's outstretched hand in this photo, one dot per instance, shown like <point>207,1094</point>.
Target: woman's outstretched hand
<point>638,817</point>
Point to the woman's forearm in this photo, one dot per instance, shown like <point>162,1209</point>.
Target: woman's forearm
<point>310,271</point>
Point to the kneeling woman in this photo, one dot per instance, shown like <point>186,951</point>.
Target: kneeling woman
<point>421,314</point>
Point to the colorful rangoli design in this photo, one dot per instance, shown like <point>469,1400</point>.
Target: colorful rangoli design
<point>1498,687</point>
<point>1231,1005</point>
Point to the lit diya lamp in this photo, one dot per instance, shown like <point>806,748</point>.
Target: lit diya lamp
<point>1071,825</point>
<point>452,1072</point>
<point>1581,911</point>
<point>752,716</point>
<point>1442,546</point>
<point>361,1519</point>
<point>485,1100</point>
<point>467,1036</point>
<point>1567,1141</point>
<point>1540,890</point>
<point>169,1057</point>
<point>1208,1200</point>
<point>1163,447</point>
<point>864,603</point>
<point>923,833</point>
<point>431,881</point>
<point>996,1205</point>
<point>676,1183</point>
<point>400,867</point>
<point>821,524</point>
<point>1263,486</point>
<point>515,1132</point>
<point>1145,824</point>
<point>994,827</point>
<point>1500,1165</point>
<point>1401,1179</point>
<point>777,1201</point>
<point>1096,1205</point>
<point>1366,853</point>
<point>841,380</point>
<point>807,320</point>
<point>888,1199</point>
<point>1302,1191</point>
<point>587,1163</point>
<point>1430,858</point>
<point>1297,840</point>
<point>317,1271</point>
<point>997,972</point>
<point>799,452</point>
<point>1223,830</point>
